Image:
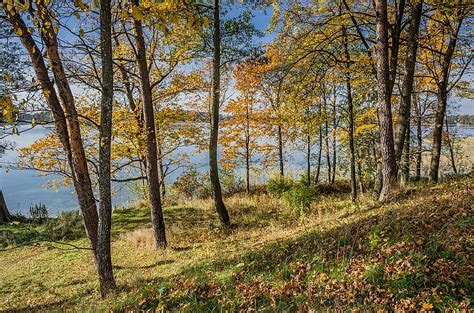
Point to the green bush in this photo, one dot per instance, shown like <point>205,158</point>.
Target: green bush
<point>279,185</point>
<point>231,183</point>
<point>191,184</point>
<point>67,225</point>
<point>299,196</point>
<point>39,212</point>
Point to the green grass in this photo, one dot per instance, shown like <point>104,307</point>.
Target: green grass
<point>410,254</point>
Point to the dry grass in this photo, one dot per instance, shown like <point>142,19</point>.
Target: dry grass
<point>41,277</point>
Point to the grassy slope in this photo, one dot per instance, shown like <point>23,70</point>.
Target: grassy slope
<point>415,253</point>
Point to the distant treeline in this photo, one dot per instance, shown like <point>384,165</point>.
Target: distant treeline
<point>466,119</point>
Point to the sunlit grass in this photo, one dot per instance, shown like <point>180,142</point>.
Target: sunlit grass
<point>274,257</point>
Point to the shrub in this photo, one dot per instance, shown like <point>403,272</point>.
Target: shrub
<point>279,185</point>
<point>191,184</point>
<point>68,225</point>
<point>39,212</point>
<point>231,183</point>
<point>299,196</point>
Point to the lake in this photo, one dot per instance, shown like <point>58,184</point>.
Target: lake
<point>23,188</point>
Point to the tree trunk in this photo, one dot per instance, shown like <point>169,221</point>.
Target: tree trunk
<point>451,150</point>
<point>401,127</point>
<point>216,97</point>
<point>419,141</point>
<point>104,259</point>
<point>351,140</point>
<point>389,166</point>
<point>161,170</point>
<point>361,180</point>
<point>308,160</point>
<point>5,216</point>
<point>405,163</point>
<point>247,150</point>
<point>334,141</point>
<point>281,159</point>
<point>442,98</point>
<point>150,139</point>
<point>320,153</point>
<point>350,107</point>
<point>326,149</point>
<point>395,43</point>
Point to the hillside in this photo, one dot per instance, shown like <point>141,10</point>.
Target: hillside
<point>412,254</point>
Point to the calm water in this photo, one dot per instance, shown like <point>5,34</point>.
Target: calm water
<point>22,188</point>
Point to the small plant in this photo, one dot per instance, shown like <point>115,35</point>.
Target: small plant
<point>67,225</point>
<point>231,183</point>
<point>39,212</point>
<point>299,196</point>
<point>191,184</point>
<point>279,185</point>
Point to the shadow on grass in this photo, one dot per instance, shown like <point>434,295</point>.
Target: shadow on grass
<point>156,264</point>
<point>320,268</point>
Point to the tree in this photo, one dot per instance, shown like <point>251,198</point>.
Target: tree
<point>389,166</point>
<point>452,20</point>
<point>150,134</point>
<point>61,104</point>
<point>402,126</point>
<point>104,264</point>
<point>216,99</point>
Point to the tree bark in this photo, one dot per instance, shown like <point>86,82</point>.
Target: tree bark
<point>389,166</point>
<point>150,138</point>
<point>216,98</point>
<point>104,258</point>
<point>401,127</point>
<point>320,153</point>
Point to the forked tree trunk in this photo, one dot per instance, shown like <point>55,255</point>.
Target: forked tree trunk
<point>389,166</point>
<point>401,128</point>
<point>150,138</point>
<point>104,259</point>
<point>216,98</point>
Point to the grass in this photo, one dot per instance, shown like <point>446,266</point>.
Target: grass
<point>412,254</point>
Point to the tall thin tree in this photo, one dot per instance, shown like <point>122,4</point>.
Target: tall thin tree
<point>150,136</point>
<point>104,259</point>
<point>216,95</point>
